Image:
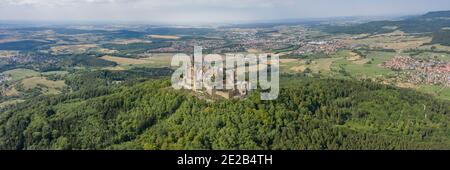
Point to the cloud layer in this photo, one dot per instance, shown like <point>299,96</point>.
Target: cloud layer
<point>189,11</point>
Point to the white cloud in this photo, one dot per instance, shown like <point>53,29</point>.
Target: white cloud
<point>58,3</point>
<point>205,10</point>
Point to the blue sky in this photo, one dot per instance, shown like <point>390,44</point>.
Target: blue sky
<point>193,11</point>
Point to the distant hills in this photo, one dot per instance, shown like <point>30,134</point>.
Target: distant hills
<point>430,22</point>
<point>433,22</point>
<point>437,14</point>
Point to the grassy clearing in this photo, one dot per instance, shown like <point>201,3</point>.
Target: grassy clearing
<point>19,74</point>
<point>129,41</point>
<point>436,90</point>
<point>353,56</point>
<point>253,50</point>
<point>153,60</point>
<point>10,102</point>
<point>49,87</point>
<point>352,63</point>
<point>126,61</point>
<point>156,60</point>
<point>396,40</point>
<point>369,69</point>
<point>288,60</point>
<point>55,73</point>
<point>434,55</point>
<point>72,49</point>
<point>116,68</point>
<point>322,65</point>
<point>437,47</point>
<point>164,36</point>
<point>11,91</point>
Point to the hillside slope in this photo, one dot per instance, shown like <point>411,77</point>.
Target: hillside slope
<point>311,113</point>
<point>427,23</point>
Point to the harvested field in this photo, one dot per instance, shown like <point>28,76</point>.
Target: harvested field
<point>11,91</point>
<point>288,60</point>
<point>164,36</point>
<point>129,41</point>
<point>52,87</point>
<point>10,102</point>
<point>72,48</point>
<point>18,74</point>
<point>127,61</point>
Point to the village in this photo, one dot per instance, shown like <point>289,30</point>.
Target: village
<point>284,39</point>
<point>326,47</point>
<point>421,71</point>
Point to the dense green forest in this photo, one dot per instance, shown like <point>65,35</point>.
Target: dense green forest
<point>87,61</point>
<point>138,109</point>
<point>127,50</point>
<point>442,37</point>
<point>46,62</point>
<point>25,45</point>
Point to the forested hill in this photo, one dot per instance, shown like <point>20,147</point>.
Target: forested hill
<point>310,113</point>
<point>437,14</point>
<point>430,22</point>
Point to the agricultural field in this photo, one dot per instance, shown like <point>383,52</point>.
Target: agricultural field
<point>47,86</point>
<point>347,64</point>
<point>438,91</point>
<point>129,41</point>
<point>161,59</point>
<point>164,37</point>
<point>151,60</point>
<point>369,67</point>
<point>154,60</point>
<point>72,49</point>
<point>23,80</point>
<point>356,65</point>
<point>436,47</point>
<point>54,73</point>
<point>321,66</point>
<point>396,40</point>
<point>430,54</point>
<point>10,102</point>
<point>19,74</point>
<point>127,61</point>
<point>10,91</point>
<point>7,54</point>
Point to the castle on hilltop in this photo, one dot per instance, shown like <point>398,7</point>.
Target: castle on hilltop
<point>197,71</point>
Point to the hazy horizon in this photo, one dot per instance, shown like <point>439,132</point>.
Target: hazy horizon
<point>203,11</point>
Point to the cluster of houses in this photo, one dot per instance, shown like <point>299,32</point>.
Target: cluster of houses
<point>427,71</point>
<point>266,40</point>
<point>327,47</point>
<point>239,40</point>
<point>7,53</point>
<point>28,58</point>
<point>185,46</point>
